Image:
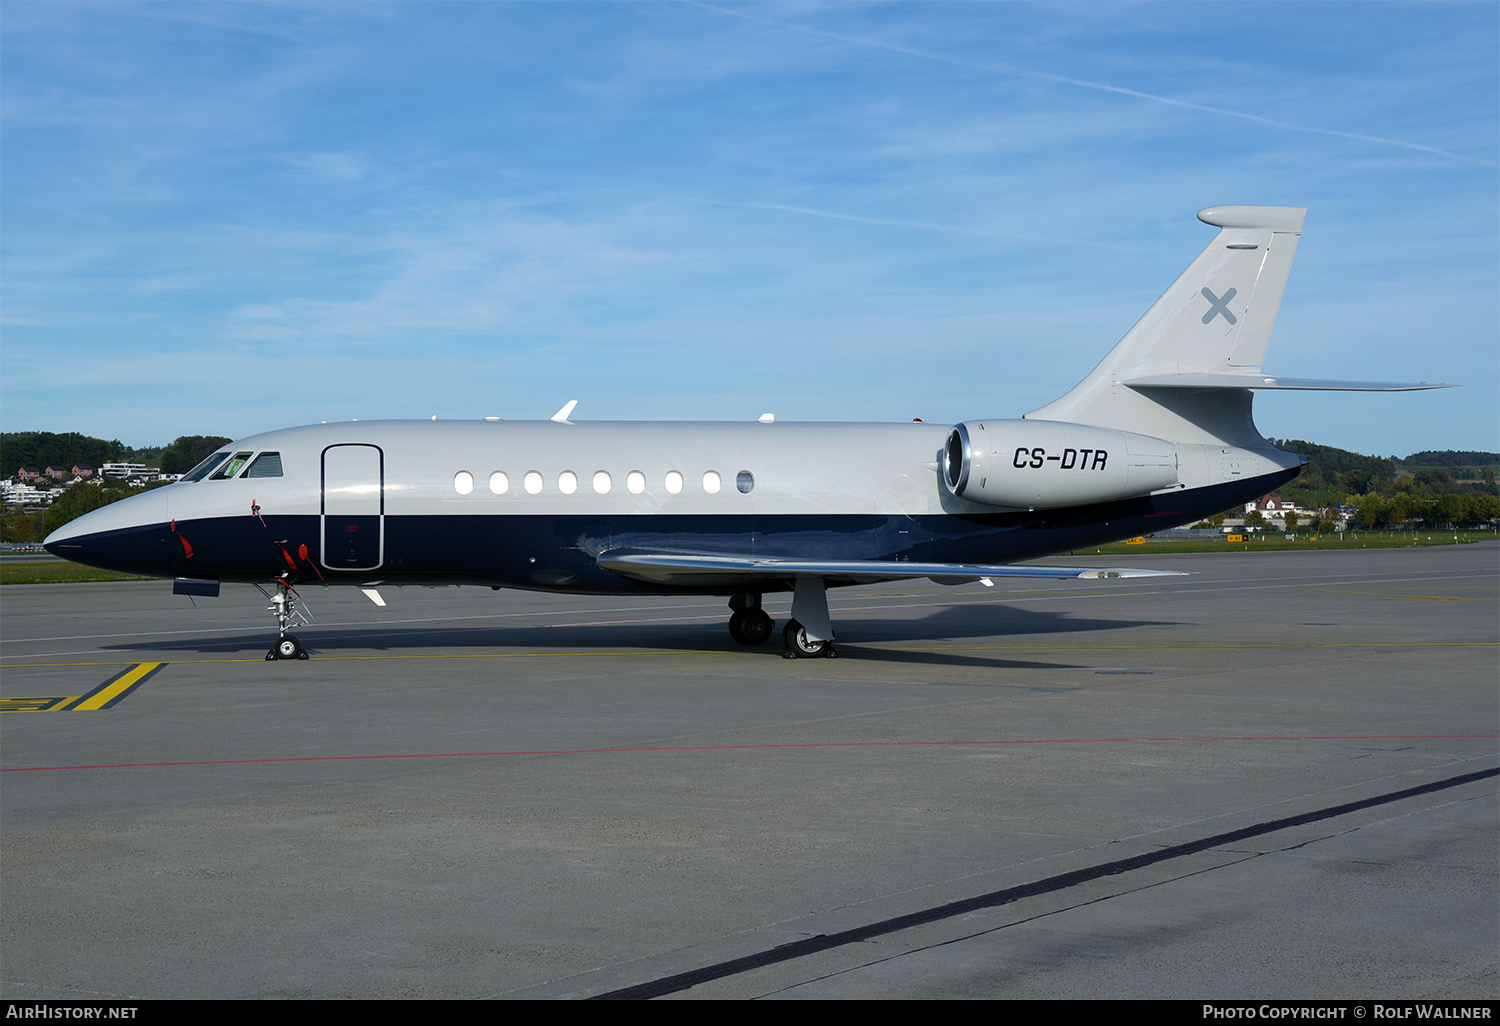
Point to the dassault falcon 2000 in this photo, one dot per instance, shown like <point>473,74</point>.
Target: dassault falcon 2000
<point>1157,435</point>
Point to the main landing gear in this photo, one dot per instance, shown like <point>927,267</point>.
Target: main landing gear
<point>284,607</point>
<point>749,625</point>
<point>808,635</point>
<point>800,646</point>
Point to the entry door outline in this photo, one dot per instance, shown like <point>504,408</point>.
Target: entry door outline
<point>357,508</point>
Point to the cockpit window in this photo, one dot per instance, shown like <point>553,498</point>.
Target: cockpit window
<point>234,466</point>
<point>267,464</point>
<point>203,469</point>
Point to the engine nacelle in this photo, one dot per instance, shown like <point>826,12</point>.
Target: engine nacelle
<point>1043,464</point>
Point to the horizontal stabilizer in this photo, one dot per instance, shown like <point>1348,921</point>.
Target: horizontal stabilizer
<point>1210,379</point>
<point>681,569</point>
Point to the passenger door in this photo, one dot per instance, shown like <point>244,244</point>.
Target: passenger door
<point>353,507</point>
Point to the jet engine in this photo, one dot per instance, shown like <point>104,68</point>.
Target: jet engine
<point>1041,464</point>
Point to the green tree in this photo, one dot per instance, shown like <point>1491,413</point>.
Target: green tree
<point>1480,509</point>
<point>1435,480</point>
<point>1358,480</point>
<point>1446,510</point>
<point>1372,510</point>
<point>1410,510</point>
<point>19,528</point>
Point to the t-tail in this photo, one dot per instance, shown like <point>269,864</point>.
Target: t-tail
<point>1185,371</point>
<point>1171,403</point>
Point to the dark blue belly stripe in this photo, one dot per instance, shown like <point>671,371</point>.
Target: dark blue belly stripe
<point>508,550</point>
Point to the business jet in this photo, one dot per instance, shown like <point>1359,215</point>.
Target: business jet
<point>1159,434</point>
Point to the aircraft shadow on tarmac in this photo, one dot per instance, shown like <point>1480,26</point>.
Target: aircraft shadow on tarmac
<point>863,634</point>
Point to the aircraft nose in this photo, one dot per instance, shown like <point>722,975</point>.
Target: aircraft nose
<point>113,536</point>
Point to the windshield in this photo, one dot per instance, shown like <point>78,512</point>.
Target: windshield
<point>203,469</point>
<point>234,466</point>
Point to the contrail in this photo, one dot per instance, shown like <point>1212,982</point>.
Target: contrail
<point>1103,87</point>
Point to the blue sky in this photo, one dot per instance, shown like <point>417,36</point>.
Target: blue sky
<point>226,218</point>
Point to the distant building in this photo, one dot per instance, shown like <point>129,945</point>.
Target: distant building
<point>83,471</point>
<point>29,474</point>
<point>1275,506</point>
<point>22,494</point>
<point>123,470</point>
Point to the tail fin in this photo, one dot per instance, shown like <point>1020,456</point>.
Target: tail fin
<point>1213,323</point>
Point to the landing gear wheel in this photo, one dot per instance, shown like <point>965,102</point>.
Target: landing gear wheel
<point>750,627</point>
<point>799,646</point>
<point>288,647</point>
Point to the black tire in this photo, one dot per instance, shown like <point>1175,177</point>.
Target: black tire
<point>751,627</point>
<point>758,626</point>
<point>794,636</point>
<point>288,648</point>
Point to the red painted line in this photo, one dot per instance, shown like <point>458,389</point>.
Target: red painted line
<point>743,748</point>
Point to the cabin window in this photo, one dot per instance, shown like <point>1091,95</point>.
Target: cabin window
<point>711,482</point>
<point>463,482</point>
<point>674,482</point>
<point>499,483</point>
<point>636,482</point>
<point>745,482</point>
<point>234,466</point>
<point>602,482</point>
<point>267,464</point>
<point>567,482</point>
<point>533,482</point>
<point>203,469</point>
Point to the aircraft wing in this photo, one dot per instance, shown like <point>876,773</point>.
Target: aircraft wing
<point>690,569</point>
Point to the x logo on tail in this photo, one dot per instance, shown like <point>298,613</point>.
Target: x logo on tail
<point>1220,306</point>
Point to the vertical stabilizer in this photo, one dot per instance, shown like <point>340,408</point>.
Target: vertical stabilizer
<point>1215,319</point>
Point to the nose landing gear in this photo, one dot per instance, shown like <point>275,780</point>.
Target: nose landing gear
<point>286,610</point>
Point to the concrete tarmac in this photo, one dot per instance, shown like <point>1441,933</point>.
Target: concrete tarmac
<point>1272,779</point>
